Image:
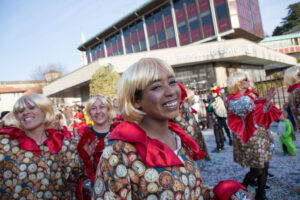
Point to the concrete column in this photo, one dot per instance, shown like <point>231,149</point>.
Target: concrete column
<point>91,56</point>
<point>146,34</point>
<point>214,18</point>
<point>105,51</point>
<point>220,73</point>
<point>123,42</point>
<point>174,23</point>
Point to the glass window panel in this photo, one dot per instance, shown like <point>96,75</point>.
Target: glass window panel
<point>161,36</point>
<point>182,27</point>
<point>167,11</point>
<point>194,23</point>
<point>140,25</point>
<point>132,29</point>
<point>188,2</point>
<point>149,20</point>
<point>143,44</point>
<point>136,47</point>
<point>178,5</point>
<point>152,40</point>
<point>157,16</point>
<point>128,49</point>
<point>170,32</point>
<point>221,11</point>
<point>206,18</point>
<point>126,33</point>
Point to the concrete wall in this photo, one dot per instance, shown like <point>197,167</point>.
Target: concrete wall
<point>7,100</point>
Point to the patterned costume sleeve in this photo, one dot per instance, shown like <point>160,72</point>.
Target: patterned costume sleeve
<point>113,174</point>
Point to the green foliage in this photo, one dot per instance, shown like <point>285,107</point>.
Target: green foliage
<point>290,21</point>
<point>104,81</point>
<point>261,87</point>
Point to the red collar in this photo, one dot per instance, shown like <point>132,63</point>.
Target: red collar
<point>238,95</point>
<point>153,152</point>
<point>293,87</point>
<point>54,141</point>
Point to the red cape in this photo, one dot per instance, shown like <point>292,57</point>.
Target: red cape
<point>293,87</point>
<point>54,141</point>
<point>153,152</point>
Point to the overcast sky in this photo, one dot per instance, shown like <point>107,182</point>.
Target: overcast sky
<point>37,33</point>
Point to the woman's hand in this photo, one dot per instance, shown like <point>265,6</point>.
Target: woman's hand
<point>269,94</point>
<point>90,146</point>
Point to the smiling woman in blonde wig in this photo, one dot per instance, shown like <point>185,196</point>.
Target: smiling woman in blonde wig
<point>249,118</point>
<point>32,150</point>
<point>146,153</point>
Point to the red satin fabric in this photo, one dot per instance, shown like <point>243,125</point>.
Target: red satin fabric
<point>245,129</point>
<point>79,126</point>
<point>293,87</point>
<point>54,141</point>
<point>87,134</point>
<point>224,189</point>
<point>183,92</point>
<point>153,152</point>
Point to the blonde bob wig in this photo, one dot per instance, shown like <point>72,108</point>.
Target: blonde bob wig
<point>132,83</point>
<point>292,75</point>
<point>235,79</point>
<point>38,100</point>
<point>106,102</point>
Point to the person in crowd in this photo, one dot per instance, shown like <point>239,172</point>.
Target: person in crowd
<point>249,118</point>
<point>78,121</point>
<point>286,135</point>
<point>37,162</point>
<point>148,156</point>
<point>218,107</point>
<point>187,120</point>
<point>59,122</point>
<point>93,140</point>
<point>292,80</point>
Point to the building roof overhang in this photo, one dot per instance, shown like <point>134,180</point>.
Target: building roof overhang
<point>112,29</point>
<point>236,50</point>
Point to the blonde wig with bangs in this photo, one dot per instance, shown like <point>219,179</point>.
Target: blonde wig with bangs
<point>106,102</point>
<point>235,79</point>
<point>292,76</point>
<point>38,100</point>
<point>133,82</point>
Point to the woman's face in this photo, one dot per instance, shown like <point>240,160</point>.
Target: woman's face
<point>160,99</point>
<point>31,117</point>
<point>99,113</point>
<point>245,83</point>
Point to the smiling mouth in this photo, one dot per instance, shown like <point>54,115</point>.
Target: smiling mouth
<point>171,104</point>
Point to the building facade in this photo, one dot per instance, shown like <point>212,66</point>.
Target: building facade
<point>203,40</point>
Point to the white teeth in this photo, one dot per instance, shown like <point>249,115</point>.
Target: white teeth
<point>28,118</point>
<point>174,103</point>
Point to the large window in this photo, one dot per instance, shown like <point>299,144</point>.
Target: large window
<point>222,15</point>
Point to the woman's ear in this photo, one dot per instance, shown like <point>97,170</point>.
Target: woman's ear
<point>137,105</point>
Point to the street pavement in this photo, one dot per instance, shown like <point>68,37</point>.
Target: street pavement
<point>286,169</point>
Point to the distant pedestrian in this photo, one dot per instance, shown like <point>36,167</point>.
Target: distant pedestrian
<point>286,135</point>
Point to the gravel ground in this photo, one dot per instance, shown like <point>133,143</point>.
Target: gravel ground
<point>285,168</point>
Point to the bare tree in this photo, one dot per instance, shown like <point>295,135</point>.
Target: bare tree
<point>40,71</point>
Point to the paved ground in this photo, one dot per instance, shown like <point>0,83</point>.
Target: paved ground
<point>221,167</point>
